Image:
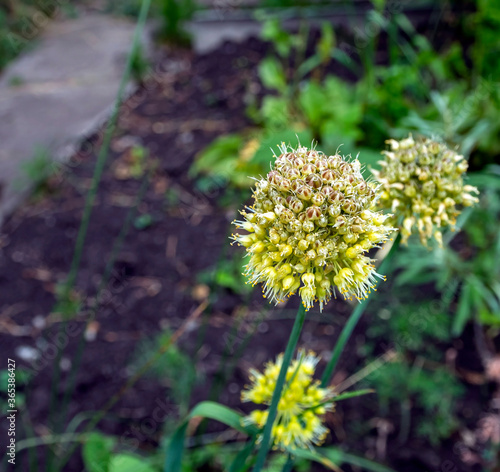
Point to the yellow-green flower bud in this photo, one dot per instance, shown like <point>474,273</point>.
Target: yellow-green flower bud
<point>299,422</point>
<point>288,281</point>
<point>422,182</point>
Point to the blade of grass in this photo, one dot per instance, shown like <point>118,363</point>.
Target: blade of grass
<point>240,461</point>
<point>28,428</point>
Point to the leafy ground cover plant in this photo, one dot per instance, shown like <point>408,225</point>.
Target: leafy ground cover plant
<point>404,386</point>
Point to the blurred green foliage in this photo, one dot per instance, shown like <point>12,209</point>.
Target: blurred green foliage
<point>486,48</point>
<point>470,267</point>
<point>172,13</point>
<point>433,391</point>
<point>451,94</point>
<point>38,171</point>
<point>227,274</point>
<point>413,327</point>
<point>22,377</point>
<point>21,21</point>
<point>100,454</point>
<point>17,28</point>
<point>420,90</point>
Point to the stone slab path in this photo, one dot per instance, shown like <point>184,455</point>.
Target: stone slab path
<point>55,95</point>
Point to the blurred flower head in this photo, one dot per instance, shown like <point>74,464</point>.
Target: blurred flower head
<point>301,407</point>
<point>310,227</point>
<point>423,186</point>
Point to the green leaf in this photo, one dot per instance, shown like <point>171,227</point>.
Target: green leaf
<point>281,39</point>
<point>308,65</point>
<point>338,456</point>
<point>143,221</point>
<point>275,112</point>
<point>327,41</point>
<point>484,180</point>
<point>405,24</point>
<point>315,456</point>
<point>96,452</point>
<point>463,311</point>
<point>471,138</point>
<point>211,410</point>
<point>129,463</point>
<point>217,155</point>
<point>483,295</point>
<point>312,102</point>
<point>343,396</point>
<point>419,269</point>
<point>241,462</point>
<point>264,155</point>
<point>229,275</point>
<point>358,393</point>
<point>272,74</point>
<point>490,318</point>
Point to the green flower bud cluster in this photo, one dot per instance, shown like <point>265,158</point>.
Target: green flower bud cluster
<point>423,187</point>
<point>311,225</point>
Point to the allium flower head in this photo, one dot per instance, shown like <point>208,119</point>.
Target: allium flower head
<point>301,407</point>
<point>310,226</point>
<point>423,186</point>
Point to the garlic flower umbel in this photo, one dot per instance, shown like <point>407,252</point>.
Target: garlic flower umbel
<point>301,407</point>
<point>310,227</point>
<point>423,185</point>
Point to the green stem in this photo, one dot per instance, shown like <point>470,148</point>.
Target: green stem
<point>56,380</point>
<point>273,408</point>
<point>353,321</point>
<point>28,428</point>
<point>290,461</point>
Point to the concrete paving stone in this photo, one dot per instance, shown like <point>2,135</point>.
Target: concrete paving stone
<point>65,89</point>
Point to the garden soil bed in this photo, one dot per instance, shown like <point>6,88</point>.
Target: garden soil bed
<point>189,101</point>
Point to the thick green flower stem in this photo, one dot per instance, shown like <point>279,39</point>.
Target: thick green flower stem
<point>353,321</point>
<point>273,408</point>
